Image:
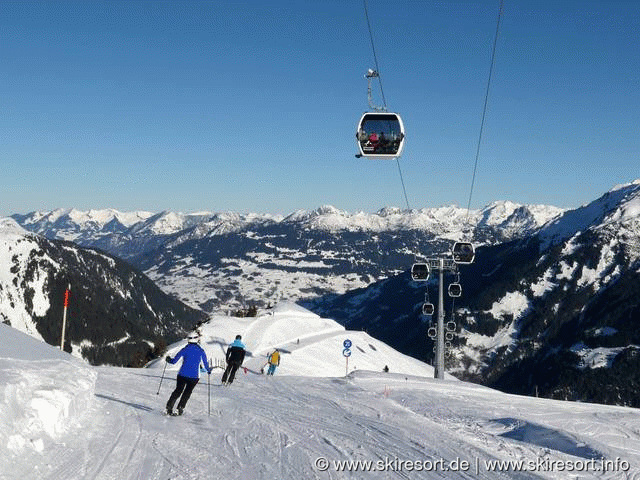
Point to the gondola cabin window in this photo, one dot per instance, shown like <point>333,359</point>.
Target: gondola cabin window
<point>380,135</point>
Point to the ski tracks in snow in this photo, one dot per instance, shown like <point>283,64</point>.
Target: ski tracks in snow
<point>278,427</point>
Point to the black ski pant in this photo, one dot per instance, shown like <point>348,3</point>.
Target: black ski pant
<point>184,387</point>
<point>230,373</point>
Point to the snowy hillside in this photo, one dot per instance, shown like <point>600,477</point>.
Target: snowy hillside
<point>556,313</point>
<point>60,418</point>
<point>224,261</point>
<point>577,305</point>
<point>16,247</point>
<point>620,207</point>
<point>116,314</point>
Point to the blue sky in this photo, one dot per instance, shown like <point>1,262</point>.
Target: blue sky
<point>253,105</point>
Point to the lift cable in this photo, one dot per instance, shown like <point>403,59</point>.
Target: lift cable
<point>375,56</point>
<point>406,199</point>
<point>384,100</point>
<point>484,110</point>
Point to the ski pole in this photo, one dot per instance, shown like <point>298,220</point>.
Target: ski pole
<point>209,388</point>
<point>162,378</point>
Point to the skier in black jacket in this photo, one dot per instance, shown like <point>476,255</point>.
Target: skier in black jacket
<point>235,357</point>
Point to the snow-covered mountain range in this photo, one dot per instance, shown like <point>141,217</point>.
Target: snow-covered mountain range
<point>222,261</point>
<point>61,418</point>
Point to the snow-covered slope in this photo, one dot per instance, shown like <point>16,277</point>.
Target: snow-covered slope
<point>620,207</point>
<point>288,427</point>
<point>310,345</point>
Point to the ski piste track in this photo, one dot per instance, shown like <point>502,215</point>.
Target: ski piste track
<point>278,427</point>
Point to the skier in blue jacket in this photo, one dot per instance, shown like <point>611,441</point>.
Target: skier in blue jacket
<point>192,356</point>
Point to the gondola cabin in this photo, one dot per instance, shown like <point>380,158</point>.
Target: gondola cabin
<point>427,309</point>
<point>380,135</point>
<point>463,253</point>
<point>455,290</point>
<point>420,272</point>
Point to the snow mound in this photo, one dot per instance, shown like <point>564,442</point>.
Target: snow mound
<point>40,400</point>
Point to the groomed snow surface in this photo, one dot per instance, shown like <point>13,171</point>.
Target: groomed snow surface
<point>63,419</point>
